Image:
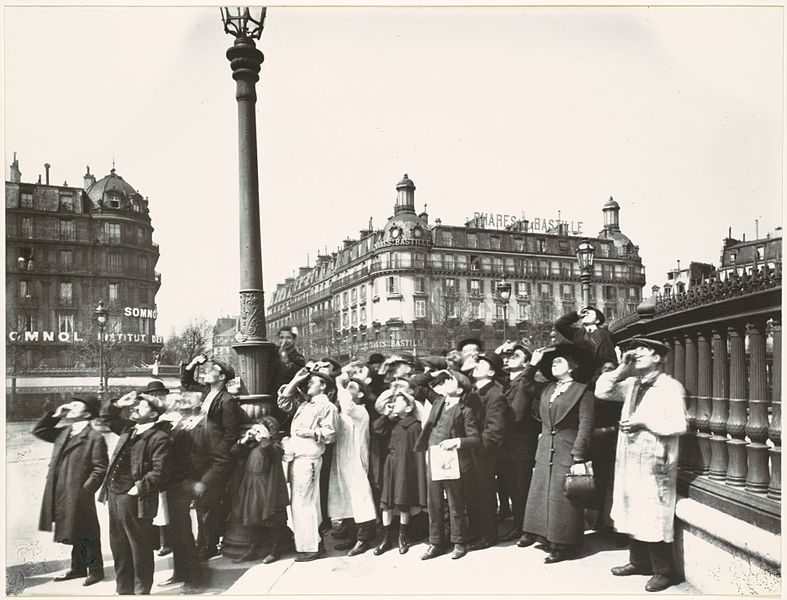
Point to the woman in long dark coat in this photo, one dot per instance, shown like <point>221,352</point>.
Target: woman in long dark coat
<point>565,410</point>
<point>259,488</point>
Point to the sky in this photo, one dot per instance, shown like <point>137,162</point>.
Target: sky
<point>676,112</point>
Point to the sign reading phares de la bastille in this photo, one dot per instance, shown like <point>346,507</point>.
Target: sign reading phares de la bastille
<point>490,220</point>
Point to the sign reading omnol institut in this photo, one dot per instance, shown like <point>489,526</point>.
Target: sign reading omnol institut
<point>65,336</point>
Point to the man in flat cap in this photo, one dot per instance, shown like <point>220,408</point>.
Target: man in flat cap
<point>221,408</point>
<point>646,459</point>
<point>76,470</point>
<point>290,359</point>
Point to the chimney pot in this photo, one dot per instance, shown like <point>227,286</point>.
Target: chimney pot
<point>47,166</point>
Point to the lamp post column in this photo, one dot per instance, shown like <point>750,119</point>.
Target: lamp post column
<point>257,355</point>
<point>585,278</point>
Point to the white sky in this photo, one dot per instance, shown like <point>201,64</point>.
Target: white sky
<point>676,112</point>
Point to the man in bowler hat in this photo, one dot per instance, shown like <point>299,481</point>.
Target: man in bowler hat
<point>76,470</point>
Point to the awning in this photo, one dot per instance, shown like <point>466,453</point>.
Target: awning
<point>71,385</point>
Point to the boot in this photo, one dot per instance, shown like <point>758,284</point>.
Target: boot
<point>387,542</point>
<point>275,536</point>
<point>249,555</point>
<point>403,546</point>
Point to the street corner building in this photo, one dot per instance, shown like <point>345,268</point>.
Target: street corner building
<point>418,285</point>
<point>67,248</point>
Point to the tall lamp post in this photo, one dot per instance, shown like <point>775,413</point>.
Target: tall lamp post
<point>100,314</point>
<point>585,252</point>
<point>257,355</point>
<point>503,290</point>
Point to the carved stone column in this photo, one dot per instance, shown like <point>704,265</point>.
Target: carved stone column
<point>775,429</point>
<point>718,419</point>
<point>686,450</point>
<point>704,405</point>
<point>669,363</point>
<point>689,441</point>
<point>758,473</point>
<point>736,422</point>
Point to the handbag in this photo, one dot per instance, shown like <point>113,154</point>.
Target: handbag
<point>580,488</point>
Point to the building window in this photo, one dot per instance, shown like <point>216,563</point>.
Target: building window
<point>26,200</point>
<point>486,263</point>
<point>474,287</point>
<point>140,233</point>
<point>113,262</point>
<point>420,285</point>
<point>541,246</point>
<point>522,289</point>
<point>733,257</point>
<point>633,294</point>
<point>475,263</point>
<point>114,201</point>
<point>66,258</point>
<point>494,242</point>
<point>142,263</point>
<point>395,334</point>
<point>450,285</point>
<point>27,322</point>
<point>568,290</point>
<point>354,296</point>
<point>523,312</point>
<point>345,299</point>
<point>546,290</point>
<point>447,237</point>
<point>65,323</point>
<point>477,310</point>
<point>113,292</point>
<point>498,264</point>
<point>68,229</point>
<point>363,292</point>
<point>27,228</point>
<point>392,284</point>
<point>499,312</point>
<point>760,253</point>
<point>609,293</point>
<point>461,262</point>
<point>449,262</point>
<point>472,240</point>
<point>66,292</point>
<point>112,232</point>
<point>24,289</point>
<point>363,315</point>
<point>354,315</point>
<point>67,202</point>
<point>375,294</point>
<point>420,309</point>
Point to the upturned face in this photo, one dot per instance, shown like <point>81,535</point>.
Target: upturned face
<point>143,412</point>
<point>400,406</point>
<point>449,387</point>
<point>645,358</point>
<point>589,317</point>
<point>316,386</point>
<point>560,367</point>
<point>482,370</point>
<point>515,361</point>
<point>211,373</point>
<point>77,411</point>
<point>402,369</point>
<point>286,339</point>
<point>355,391</point>
<point>469,350</point>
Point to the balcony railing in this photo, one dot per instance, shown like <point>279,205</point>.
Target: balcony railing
<point>725,339</point>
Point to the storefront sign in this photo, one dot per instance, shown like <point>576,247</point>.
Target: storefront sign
<point>145,313</point>
<point>65,337</point>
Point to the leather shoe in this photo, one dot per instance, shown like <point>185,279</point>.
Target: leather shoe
<point>481,544</point>
<point>658,583</point>
<point>271,558</point>
<point>309,556</point>
<point>69,575</point>
<point>164,551</point>
<point>630,569</point>
<point>511,536</point>
<point>526,540</point>
<point>346,545</point>
<point>432,551</point>
<point>459,551</point>
<point>555,556</point>
<point>170,581</point>
<point>359,548</point>
<point>93,578</point>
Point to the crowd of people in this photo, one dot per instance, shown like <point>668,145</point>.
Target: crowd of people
<point>377,455</point>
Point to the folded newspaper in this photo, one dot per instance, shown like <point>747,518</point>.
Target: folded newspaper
<point>443,464</point>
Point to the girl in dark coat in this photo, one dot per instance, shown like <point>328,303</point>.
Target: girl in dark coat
<point>404,472</point>
<point>565,410</point>
<point>260,498</point>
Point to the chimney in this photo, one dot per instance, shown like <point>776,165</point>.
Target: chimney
<point>89,180</point>
<point>46,166</point>
<point>16,174</point>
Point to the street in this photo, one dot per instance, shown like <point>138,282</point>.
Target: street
<point>33,559</point>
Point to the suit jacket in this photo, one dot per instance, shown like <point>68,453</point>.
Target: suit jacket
<point>224,411</point>
<point>494,417</point>
<point>600,339</point>
<point>76,470</point>
<point>463,427</point>
<point>521,437</point>
<point>149,464</point>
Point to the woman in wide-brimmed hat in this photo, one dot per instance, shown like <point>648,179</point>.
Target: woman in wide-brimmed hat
<point>565,409</point>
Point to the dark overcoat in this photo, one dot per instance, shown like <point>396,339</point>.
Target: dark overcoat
<point>566,430</point>
<point>259,487</point>
<point>600,339</point>
<point>404,471</point>
<point>521,437</point>
<point>149,467</point>
<point>76,470</point>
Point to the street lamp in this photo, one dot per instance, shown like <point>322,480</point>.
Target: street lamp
<point>100,314</point>
<point>257,355</point>
<point>504,295</point>
<point>585,252</point>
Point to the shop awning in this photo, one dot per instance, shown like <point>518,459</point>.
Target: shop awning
<point>72,385</point>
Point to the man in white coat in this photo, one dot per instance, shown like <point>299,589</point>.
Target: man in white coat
<point>646,460</point>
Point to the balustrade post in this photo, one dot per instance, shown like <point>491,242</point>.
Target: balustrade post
<point>718,419</point>
<point>679,364</point>
<point>669,365</point>
<point>736,422</point>
<point>690,385</point>
<point>686,449</point>
<point>775,429</point>
<point>703,404</point>
<point>757,424</point>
